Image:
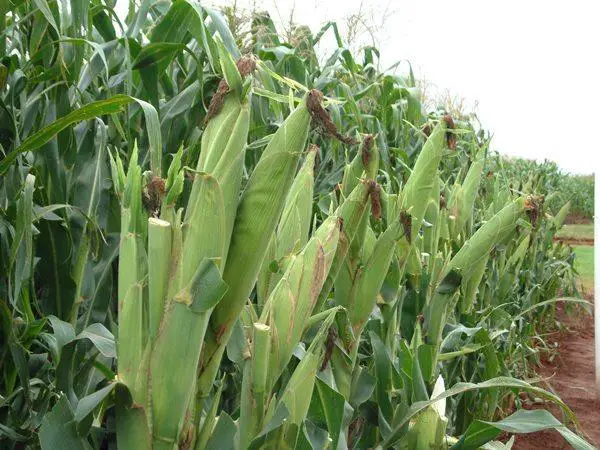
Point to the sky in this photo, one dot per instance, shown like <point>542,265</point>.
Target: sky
<point>529,68</point>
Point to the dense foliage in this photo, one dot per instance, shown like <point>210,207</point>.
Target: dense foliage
<point>205,249</point>
<point>560,186</point>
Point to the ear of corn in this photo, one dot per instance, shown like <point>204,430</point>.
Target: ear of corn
<point>295,296</point>
<point>431,232</point>
<point>186,315</point>
<point>357,291</point>
<point>131,309</point>
<point>217,131</point>
<point>454,209</point>
<point>361,169</point>
<point>423,177</point>
<point>283,417</point>
<point>292,232</point>
<point>511,270</point>
<point>471,286</point>
<point>259,209</point>
<point>428,429</point>
<point>258,212</point>
<point>230,168</point>
<point>364,165</point>
<point>173,188</point>
<point>228,173</point>
<point>369,278</point>
<point>560,217</point>
<point>298,391</point>
<point>21,251</point>
<point>131,276</point>
<point>497,229</point>
<point>351,213</point>
<point>352,258</point>
<point>473,252</point>
<point>415,198</point>
<point>261,343</point>
<point>117,173</point>
<point>187,258</point>
<point>283,321</point>
<point>255,389</point>
<point>365,269</point>
<point>470,188</point>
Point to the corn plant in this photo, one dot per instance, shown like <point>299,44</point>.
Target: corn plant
<point>214,238</point>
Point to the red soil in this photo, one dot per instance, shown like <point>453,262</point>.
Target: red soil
<point>571,376</point>
<point>575,241</point>
<point>577,219</point>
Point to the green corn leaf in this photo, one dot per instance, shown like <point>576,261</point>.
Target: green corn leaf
<point>98,108</point>
<point>522,421</point>
<point>59,429</point>
<point>160,53</point>
<point>459,388</point>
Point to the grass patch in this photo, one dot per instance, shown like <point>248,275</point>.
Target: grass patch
<point>584,264</point>
<point>577,231</point>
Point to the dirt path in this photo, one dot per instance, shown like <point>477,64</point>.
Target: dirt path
<point>571,376</point>
<point>575,241</point>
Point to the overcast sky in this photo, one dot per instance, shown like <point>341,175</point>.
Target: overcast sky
<point>532,67</point>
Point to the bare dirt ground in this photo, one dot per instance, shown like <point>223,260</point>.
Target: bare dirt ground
<point>571,376</point>
<point>575,241</point>
<point>578,219</point>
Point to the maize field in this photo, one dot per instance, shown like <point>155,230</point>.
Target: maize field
<point>578,189</point>
<point>209,242</point>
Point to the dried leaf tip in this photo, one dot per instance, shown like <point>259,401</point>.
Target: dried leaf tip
<point>313,148</point>
<point>367,146</point>
<point>427,129</point>
<point>338,191</point>
<point>246,65</point>
<point>329,345</point>
<point>442,201</point>
<point>341,223</point>
<point>216,102</point>
<point>322,120</point>
<point>152,195</point>
<point>534,205</point>
<point>450,137</point>
<point>406,221</point>
<point>375,192</point>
